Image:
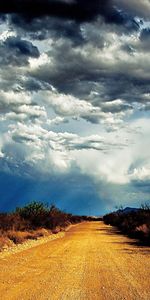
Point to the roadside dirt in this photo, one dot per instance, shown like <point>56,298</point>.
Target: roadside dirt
<point>90,262</point>
<point>30,244</point>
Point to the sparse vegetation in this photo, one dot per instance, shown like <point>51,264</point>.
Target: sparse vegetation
<point>135,224</point>
<point>32,221</point>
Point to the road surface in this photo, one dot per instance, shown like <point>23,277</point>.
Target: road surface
<point>91,262</point>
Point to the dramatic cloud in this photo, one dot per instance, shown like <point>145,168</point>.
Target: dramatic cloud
<point>140,8</point>
<point>15,51</point>
<point>78,10</point>
<point>22,47</point>
<point>75,97</point>
<point>18,107</point>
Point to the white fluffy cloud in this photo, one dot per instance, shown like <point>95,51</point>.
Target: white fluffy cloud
<point>11,99</point>
<point>110,114</point>
<point>107,158</point>
<point>19,107</point>
<point>141,174</point>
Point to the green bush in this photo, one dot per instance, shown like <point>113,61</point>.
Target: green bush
<point>35,212</point>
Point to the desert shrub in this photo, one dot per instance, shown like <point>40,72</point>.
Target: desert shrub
<point>33,221</point>
<point>57,217</point>
<point>35,212</point>
<point>136,224</point>
<point>13,221</point>
<point>32,209</point>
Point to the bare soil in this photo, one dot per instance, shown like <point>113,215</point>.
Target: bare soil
<point>92,261</point>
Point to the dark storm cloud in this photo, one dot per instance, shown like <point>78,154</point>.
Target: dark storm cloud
<point>15,51</point>
<point>33,85</point>
<point>38,14</point>
<point>79,10</point>
<point>22,47</point>
<point>115,108</point>
<point>81,75</point>
<point>2,18</point>
<point>88,76</point>
<point>46,189</point>
<point>45,27</point>
<point>145,34</point>
<point>121,18</point>
<point>145,39</point>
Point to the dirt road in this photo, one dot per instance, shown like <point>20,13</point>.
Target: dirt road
<point>91,262</point>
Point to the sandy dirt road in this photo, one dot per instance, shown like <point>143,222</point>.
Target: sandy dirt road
<point>91,262</point>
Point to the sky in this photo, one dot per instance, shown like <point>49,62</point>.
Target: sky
<point>75,104</point>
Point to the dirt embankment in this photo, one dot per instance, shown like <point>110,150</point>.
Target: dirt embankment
<point>90,262</point>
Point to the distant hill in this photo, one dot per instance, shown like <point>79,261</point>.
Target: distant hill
<point>128,210</point>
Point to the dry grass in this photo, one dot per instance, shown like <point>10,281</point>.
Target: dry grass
<point>33,221</point>
<point>41,232</point>
<point>144,230</point>
<point>11,237</point>
<point>18,237</point>
<point>5,243</point>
